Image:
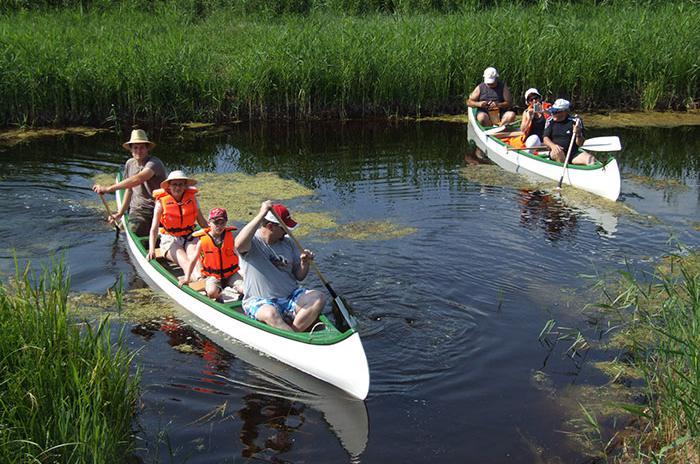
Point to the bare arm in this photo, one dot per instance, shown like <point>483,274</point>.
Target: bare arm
<point>152,236</point>
<point>245,236</point>
<point>526,121</point>
<point>128,183</point>
<point>507,99</point>
<point>473,100</point>
<point>305,259</point>
<point>200,217</point>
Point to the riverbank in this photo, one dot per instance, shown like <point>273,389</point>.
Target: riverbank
<point>80,67</point>
<point>656,336</point>
<point>66,391</point>
<point>10,137</point>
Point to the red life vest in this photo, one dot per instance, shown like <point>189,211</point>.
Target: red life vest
<point>177,218</point>
<point>220,262</point>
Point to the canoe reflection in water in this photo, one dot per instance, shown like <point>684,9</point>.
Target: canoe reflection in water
<point>542,210</point>
<point>272,399</point>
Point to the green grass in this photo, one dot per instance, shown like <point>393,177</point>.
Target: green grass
<point>65,390</point>
<point>167,63</point>
<point>662,330</point>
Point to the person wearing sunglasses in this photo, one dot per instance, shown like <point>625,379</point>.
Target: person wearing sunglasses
<point>534,118</point>
<point>493,100</point>
<point>558,131</point>
<point>174,217</point>
<point>216,253</point>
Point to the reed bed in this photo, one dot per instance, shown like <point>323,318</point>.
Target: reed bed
<point>66,393</point>
<point>165,64</point>
<point>662,335</point>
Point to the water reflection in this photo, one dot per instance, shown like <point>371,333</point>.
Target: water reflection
<point>540,209</point>
<point>274,409</point>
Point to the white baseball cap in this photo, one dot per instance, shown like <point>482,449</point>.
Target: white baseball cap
<point>532,91</point>
<point>490,75</point>
<point>560,105</point>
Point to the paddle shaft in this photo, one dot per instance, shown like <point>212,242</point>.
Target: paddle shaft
<point>605,143</point>
<point>341,305</point>
<point>568,152</point>
<point>109,212</point>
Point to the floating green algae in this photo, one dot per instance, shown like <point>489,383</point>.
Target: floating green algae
<point>368,230</point>
<point>657,184</point>
<point>15,136</point>
<point>242,194</point>
<point>140,304</point>
<point>618,370</point>
<point>642,119</point>
<point>491,174</point>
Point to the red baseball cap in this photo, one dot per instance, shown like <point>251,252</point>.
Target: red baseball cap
<point>283,213</point>
<point>217,213</point>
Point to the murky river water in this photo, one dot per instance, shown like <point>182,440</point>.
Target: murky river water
<point>450,314</point>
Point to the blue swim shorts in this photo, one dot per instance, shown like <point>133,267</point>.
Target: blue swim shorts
<point>286,307</point>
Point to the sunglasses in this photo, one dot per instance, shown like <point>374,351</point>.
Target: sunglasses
<point>536,97</point>
<point>219,222</point>
<point>177,184</point>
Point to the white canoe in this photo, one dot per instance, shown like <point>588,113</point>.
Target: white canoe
<point>335,357</point>
<point>600,178</point>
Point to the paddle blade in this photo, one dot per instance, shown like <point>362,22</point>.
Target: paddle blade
<point>495,130</point>
<point>609,143</point>
<point>343,314</point>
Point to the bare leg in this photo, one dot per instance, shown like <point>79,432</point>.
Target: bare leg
<point>309,306</point>
<point>583,158</point>
<point>508,117</point>
<point>483,119</point>
<point>269,315</point>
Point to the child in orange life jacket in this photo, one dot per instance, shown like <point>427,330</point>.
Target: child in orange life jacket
<point>217,256</point>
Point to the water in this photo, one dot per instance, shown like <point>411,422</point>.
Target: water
<point>449,315</point>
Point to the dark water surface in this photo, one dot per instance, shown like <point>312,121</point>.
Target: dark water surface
<point>450,315</point>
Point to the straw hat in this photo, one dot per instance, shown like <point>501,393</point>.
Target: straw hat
<point>138,136</point>
<point>177,175</point>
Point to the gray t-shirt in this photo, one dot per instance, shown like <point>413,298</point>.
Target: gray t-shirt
<point>142,196</point>
<point>269,269</point>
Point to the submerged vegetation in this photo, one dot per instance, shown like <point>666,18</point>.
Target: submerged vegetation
<point>66,394</point>
<point>103,62</point>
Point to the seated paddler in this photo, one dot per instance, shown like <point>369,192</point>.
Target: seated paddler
<point>175,215</point>
<point>216,255</point>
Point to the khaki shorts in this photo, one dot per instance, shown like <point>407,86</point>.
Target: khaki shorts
<point>212,283</point>
<point>170,242</point>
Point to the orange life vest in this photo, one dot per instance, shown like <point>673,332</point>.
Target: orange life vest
<point>220,262</point>
<point>177,218</point>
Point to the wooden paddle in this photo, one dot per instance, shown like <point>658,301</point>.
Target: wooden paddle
<point>338,301</point>
<point>117,226</point>
<point>568,152</point>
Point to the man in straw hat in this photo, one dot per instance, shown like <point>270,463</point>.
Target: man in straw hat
<point>143,174</point>
<point>272,266</point>
<point>493,100</point>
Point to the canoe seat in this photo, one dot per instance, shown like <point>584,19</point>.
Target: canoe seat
<point>197,285</point>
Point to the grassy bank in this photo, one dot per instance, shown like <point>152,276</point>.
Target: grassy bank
<point>66,394</point>
<point>103,65</point>
<point>660,337</point>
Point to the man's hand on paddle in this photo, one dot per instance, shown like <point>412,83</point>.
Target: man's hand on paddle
<point>101,189</point>
<point>306,256</point>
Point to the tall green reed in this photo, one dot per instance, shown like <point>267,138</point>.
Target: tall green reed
<point>66,393</point>
<point>164,66</point>
<point>663,329</point>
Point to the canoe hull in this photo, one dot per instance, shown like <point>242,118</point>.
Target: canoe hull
<point>603,181</point>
